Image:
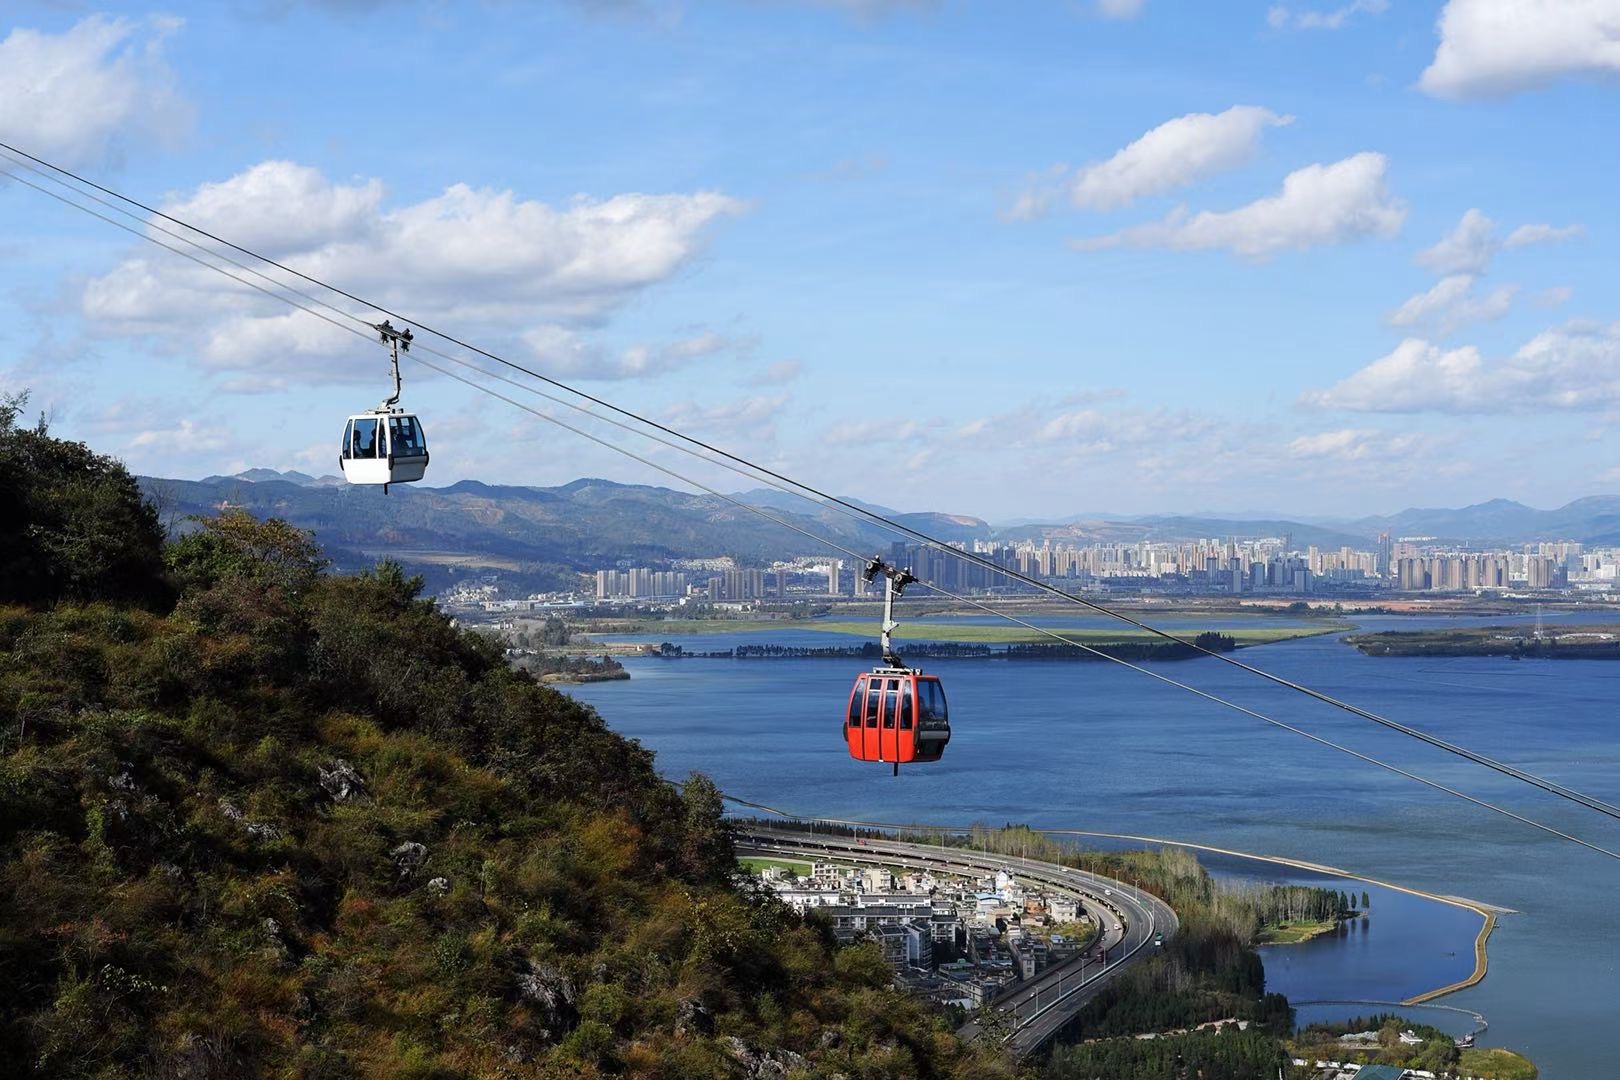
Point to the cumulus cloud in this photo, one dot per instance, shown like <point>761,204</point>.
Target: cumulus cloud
<point>1466,249</point>
<point>1492,47</point>
<point>1172,155</point>
<point>485,261</point>
<point>1318,205</point>
<point>87,94</point>
<point>1357,444</point>
<point>1573,367</point>
<point>1525,235</point>
<point>564,353</point>
<point>751,417</point>
<point>185,437</point>
<point>1090,432</point>
<point>1452,303</point>
<point>1282,18</point>
<point>1471,245</point>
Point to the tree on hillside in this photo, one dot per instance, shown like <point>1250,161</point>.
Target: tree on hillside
<point>73,524</point>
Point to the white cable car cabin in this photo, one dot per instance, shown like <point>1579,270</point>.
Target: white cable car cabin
<point>383,447</point>
<point>386,445</point>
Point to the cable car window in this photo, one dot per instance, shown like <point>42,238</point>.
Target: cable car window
<point>348,438</point>
<point>406,436</point>
<point>873,696</point>
<point>905,711</point>
<point>893,707</point>
<point>365,438</point>
<point>855,700</point>
<point>931,701</point>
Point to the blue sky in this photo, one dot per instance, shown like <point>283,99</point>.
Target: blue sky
<point>1012,261</point>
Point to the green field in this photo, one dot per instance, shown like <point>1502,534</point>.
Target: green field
<point>1018,635</point>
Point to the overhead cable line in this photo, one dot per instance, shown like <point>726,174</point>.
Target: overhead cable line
<point>761,474</point>
<point>1053,634</point>
<point>836,503</point>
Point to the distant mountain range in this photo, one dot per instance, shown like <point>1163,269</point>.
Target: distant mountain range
<point>545,535</point>
<point>549,534</point>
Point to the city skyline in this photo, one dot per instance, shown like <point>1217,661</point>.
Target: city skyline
<point>1129,256</point>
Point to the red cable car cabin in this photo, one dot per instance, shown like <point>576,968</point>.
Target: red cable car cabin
<point>897,715</point>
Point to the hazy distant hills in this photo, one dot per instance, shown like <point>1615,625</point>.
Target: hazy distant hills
<point>1592,520</point>
<point>1168,527</point>
<point>546,533</point>
<point>549,534</point>
<point>1499,522</point>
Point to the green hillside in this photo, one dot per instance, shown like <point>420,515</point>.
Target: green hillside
<point>256,819</point>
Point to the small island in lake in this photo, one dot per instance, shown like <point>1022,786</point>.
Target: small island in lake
<point>1590,642</point>
<point>1291,914</point>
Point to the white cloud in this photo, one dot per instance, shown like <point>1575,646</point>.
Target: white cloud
<point>1554,297</point>
<point>280,207</point>
<point>750,417</point>
<point>1473,243</point>
<point>870,432</point>
<point>1573,367</point>
<point>85,95</point>
<point>1525,235</point>
<point>563,353</point>
<point>1282,18</point>
<point>1120,9</point>
<point>1357,444</point>
<point>1173,155</point>
<point>185,437</point>
<point>1416,377</point>
<point>1091,432</point>
<point>1467,249</point>
<point>1319,204</point>
<point>783,371</point>
<point>1451,303</point>
<point>483,261</point>
<point>921,459</point>
<point>1492,47</point>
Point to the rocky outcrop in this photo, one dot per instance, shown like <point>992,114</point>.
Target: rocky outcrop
<point>547,987</point>
<point>761,1064</point>
<point>339,780</point>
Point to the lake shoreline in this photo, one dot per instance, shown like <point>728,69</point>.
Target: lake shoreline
<point>1488,913</point>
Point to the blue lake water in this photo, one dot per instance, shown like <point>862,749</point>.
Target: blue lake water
<point>1095,746</point>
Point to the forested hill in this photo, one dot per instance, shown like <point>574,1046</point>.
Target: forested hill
<point>258,820</point>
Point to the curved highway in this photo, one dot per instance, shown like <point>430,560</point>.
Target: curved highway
<point>1035,1009</point>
